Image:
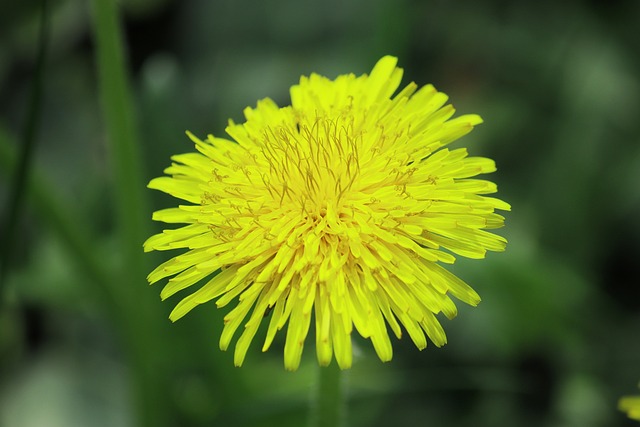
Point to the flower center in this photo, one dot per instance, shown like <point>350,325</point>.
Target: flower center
<point>313,163</point>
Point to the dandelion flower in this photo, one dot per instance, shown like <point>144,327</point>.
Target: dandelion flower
<point>630,405</point>
<point>340,209</point>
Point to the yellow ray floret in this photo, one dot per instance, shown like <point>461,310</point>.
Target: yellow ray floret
<point>340,209</point>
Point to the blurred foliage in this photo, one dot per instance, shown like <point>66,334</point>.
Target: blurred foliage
<point>555,340</point>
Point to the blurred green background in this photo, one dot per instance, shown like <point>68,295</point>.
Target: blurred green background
<point>85,342</point>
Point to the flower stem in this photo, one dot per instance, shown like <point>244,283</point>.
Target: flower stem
<point>122,135</point>
<point>141,316</point>
<point>328,401</point>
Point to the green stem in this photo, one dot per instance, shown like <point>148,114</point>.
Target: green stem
<point>21,172</point>
<point>140,314</point>
<point>119,115</point>
<point>328,401</point>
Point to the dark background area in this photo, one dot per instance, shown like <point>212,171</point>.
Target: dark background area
<point>555,340</point>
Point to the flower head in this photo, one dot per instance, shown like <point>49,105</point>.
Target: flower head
<point>340,209</point>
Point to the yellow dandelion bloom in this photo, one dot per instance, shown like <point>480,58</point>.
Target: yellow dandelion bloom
<point>341,208</point>
<point>630,405</point>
